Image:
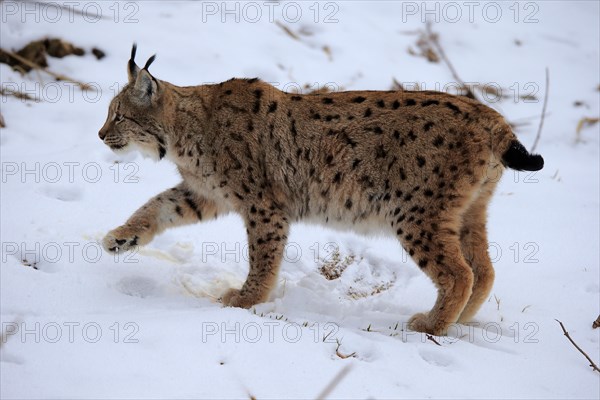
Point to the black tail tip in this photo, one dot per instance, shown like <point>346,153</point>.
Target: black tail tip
<point>518,158</point>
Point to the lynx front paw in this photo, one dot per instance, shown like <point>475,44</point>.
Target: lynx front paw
<point>120,240</point>
<point>235,298</point>
<point>421,322</point>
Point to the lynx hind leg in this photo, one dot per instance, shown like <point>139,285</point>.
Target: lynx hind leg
<point>437,251</point>
<point>474,244</point>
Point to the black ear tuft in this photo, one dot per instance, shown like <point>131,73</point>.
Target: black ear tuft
<point>150,61</point>
<point>132,68</point>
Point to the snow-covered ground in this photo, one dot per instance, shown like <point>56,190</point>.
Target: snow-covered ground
<point>85,324</point>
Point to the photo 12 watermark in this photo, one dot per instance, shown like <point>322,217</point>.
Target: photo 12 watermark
<point>253,12</point>
<point>93,92</point>
<point>268,332</point>
<point>327,252</point>
<point>68,172</point>
<point>70,332</point>
<point>53,12</point>
<point>37,254</point>
<point>489,332</point>
<point>330,332</point>
<point>526,12</point>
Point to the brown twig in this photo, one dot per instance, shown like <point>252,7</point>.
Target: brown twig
<point>340,355</point>
<point>584,121</point>
<point>287,30</point>
<point>434,40</point>
<point>539,132</point>
<point>344,356</point>
<point>592,364</point>
<point>429,337</point>
<point>334,382</point>
<point>327,50</point>
<point>397,85</point>
<point>83,86</point>
<point>5,91</point>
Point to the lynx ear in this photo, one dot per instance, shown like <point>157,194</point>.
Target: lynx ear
<point>132,68</point>
<point>146,86</point>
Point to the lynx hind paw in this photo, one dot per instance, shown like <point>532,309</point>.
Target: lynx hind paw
<point>235,298</point>
<point>114,242</point>
<point>421,322</point>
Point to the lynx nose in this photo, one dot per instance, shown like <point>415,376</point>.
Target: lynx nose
<point>102,134</point>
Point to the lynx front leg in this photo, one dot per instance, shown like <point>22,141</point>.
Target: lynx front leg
<point>267,236</point>
<point>173,207</point>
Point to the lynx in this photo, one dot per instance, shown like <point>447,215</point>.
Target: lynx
<point>420,165</point>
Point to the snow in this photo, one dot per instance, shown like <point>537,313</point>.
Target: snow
<point>85,324</point>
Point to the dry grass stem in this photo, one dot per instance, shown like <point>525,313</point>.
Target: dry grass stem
<point>339,354</point>
<point>60,77</point>
<point>287,30</point>
<point>584,122</point>
<point>5,91</point>
<point>434,39</point>
<point>539,132</point>
<point>592,364</point>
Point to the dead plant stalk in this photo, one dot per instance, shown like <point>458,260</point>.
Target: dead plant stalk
<point>83,86</point>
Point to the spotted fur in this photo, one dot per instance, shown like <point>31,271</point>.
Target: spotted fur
<point>421,166</point>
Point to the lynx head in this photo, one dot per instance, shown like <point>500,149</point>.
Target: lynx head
<point>135,115</point>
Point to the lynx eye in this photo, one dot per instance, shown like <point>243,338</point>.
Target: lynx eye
<point>119,117</point>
